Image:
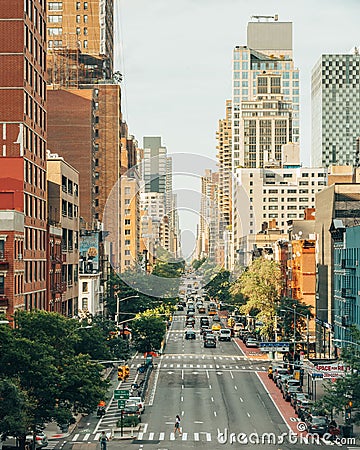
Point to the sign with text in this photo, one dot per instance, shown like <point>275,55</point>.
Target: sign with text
<point>121,394</point>
<point>332,370</point>
<point>121,404</point>
<point>274,346</point>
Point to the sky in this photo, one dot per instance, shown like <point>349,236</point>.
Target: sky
<point>176,57</point>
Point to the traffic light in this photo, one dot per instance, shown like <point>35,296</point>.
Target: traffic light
<point>121,373</point>
<point>126,372</point>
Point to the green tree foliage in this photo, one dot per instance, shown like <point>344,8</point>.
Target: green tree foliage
<point>218,287</point>
<point>197,263</point>
<point>260,285</point>
<point>46,375</point>
<point>285,313</point>
<point>149,330</point>
<point>346,389</point>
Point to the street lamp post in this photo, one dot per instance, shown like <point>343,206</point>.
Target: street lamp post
<point>118,301</point>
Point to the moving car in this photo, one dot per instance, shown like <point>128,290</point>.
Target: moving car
<point>251,342</point>
<point>190,334</point>
<point>202,309</point>
<point>205,331</point>
<point>238,326</point>
<point>190,321</point>
<point>180,307</point>
<point>216,327</point>
<point>209,341</point>
<point>216,318</point>
<point>131,409</point>
<point>204,321</point>
<point>225,334</point>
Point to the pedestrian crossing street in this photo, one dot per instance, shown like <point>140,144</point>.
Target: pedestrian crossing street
<point>141,436</point>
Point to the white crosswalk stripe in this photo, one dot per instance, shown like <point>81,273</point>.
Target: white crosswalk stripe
<point>52,444</point>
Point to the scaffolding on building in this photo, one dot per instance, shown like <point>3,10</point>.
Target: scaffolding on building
<point>63,63</point>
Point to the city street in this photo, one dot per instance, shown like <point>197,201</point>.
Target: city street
<point>220,394</point>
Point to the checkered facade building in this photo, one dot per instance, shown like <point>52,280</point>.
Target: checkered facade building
<point>336,110</point>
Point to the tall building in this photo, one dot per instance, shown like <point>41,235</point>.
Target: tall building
<point>23,156</point>
<point>154,164</point>
<point>268,56</point>
<point>335,95</point>
<point>63,212</point>
<point>80,41</point>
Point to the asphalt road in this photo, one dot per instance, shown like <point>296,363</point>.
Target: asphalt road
<point>218,395</point>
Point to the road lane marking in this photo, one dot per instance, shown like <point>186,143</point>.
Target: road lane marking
<point>145,427</point>
<point>181,398</point>
<point>153,391</point>
<point>212,399</point>
<point>207,374</point>
<point>235,388</point>
<point>248,414</point>
<point>231,374</point>
<point>182,374</point>
<point>196,437</point>
<point>140,435</point>
<point>184,436</point>
<point>208,437</point>
<point>86,437</point>
<point>242,401</point>
<point>210,386</point>
<point>215,413</point>
<point>172,437</point>
<point>182,386</point>
<point>75,437</point>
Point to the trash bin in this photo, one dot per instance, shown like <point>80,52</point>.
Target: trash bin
<point>346,430</point>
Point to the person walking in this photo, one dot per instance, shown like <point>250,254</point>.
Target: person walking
<point>103,440</point>
<point>177,425</point>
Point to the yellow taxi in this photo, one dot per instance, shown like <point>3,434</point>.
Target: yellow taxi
<point>216,327</point>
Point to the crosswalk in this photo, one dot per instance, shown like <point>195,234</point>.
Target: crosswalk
<point>214,367</point>
<point>52,444</point>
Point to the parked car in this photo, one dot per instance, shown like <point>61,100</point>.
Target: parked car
<point>279,371</point>
<point>302,407</point>
<point>180,307</point>
<point>190,321</point>
<point>289,391</point>
<point>282,380</point>
<point>131,409</point>
<point>238,326</point>
<point>317,424</point>
<point>297,398</point>
<point>251,342</point>
<point>202,310</point>
<point>216,318</point>
<point>137,401</point>
<point>225,334</point>
<point>209,341</point>
<point>190,334</point>
<point>41,440</point>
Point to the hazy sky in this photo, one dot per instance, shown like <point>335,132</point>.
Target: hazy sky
<point>176,57</point>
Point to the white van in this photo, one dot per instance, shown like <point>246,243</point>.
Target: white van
<point>224,334</point>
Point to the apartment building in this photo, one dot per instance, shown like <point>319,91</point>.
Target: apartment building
<point>63,212</point>
<point>269,55</point>
<point>335,101</point>
<point>79,41</point>
<point>23,156</point>
<point>280,194</point>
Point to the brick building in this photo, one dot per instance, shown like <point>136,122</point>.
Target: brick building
<point>23,158</point>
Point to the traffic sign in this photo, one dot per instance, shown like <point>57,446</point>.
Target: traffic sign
<point>121,404</point>
<point>121,394</point>
<point>274,346</point>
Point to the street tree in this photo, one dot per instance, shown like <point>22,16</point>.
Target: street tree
<point>260,285</point>
<point>289,309</point>
<point>343,395</point>
<point>45,374</point>
<point>148,331</point>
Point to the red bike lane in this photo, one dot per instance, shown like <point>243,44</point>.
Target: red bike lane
<point>285,409</point>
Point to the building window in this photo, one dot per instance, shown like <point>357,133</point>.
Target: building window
<point>54,31</point>
<point>127,191</point>
<point>55,19</point>
<point>127,241</point>
<point>127,252</point>
<point>127,232</point>
<point>78,18</point>
<point>2,249</point>
<point>127,201</point>
<point>86,18</point>
<point>127,221</point>
<point>85,31</point>
<point>78,31</point>
<point>85,287</point>
<point>85,44</point>
<point>127,262</point>
<point>84,303</point>
<point>2,284</point>
<point>85,5</point>
<point>127,212</point>
<point>55,6</point>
